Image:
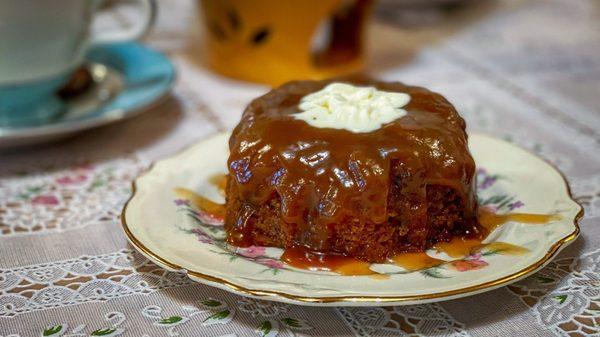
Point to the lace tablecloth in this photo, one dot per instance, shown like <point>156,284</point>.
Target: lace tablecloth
<point>526,71</point>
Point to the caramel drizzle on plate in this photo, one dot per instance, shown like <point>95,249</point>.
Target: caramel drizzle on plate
<point>491,221</point>
<point>303,258</point>
<point>416,261</point>
<point>220,182</point>
<point>201,203</point>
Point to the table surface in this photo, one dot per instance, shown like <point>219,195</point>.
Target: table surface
<point>527,71</point>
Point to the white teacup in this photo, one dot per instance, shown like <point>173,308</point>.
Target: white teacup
<point>41,43</point>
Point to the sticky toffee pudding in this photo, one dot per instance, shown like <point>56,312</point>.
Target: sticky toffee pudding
<point>363,169</point>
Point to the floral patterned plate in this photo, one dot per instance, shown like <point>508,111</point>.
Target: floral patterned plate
<point>163,222</point>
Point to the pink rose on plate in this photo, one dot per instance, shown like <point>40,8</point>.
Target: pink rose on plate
<point>48,200</point>
<point>252,251</point>
<point>210,219</point>
<point>472,262</point>
<point>71,180</point>
<point>271,263</point>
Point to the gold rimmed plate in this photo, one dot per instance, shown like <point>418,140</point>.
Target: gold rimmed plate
<point>166,223</point>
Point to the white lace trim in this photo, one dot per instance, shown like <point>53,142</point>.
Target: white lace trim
<point>413,320</point>
<point>82,194</point>
<point>565,295</point>
<point>257,308</point>
<point>107,276</point>
<point>84,279</point>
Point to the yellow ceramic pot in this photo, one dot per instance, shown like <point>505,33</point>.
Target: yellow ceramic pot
<point>274,41</point>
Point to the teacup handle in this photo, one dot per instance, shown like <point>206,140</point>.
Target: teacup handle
<point>148,8</point>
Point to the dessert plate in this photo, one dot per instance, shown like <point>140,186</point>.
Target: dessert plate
<point>162,221</point>
<point>126,79</point>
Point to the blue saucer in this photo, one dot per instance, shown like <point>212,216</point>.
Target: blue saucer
<point>127,78</point>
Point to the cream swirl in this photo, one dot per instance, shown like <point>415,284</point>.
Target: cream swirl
<point>353,108</point>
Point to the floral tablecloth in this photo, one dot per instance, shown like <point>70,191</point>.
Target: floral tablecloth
<point>527,71</point>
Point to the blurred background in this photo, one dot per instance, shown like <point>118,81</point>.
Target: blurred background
<point>542,54</point>
<point>491,58</point>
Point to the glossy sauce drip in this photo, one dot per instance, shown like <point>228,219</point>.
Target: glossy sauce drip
<point>202,203</point>
<point>303,258</point>
<point>327,176</point>
<point>416,261</point>
<point>491,221</point>
<point>220,182</point>
<point>458,247</point>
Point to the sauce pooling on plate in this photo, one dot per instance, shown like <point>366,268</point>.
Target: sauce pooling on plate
<point>459,247</point>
